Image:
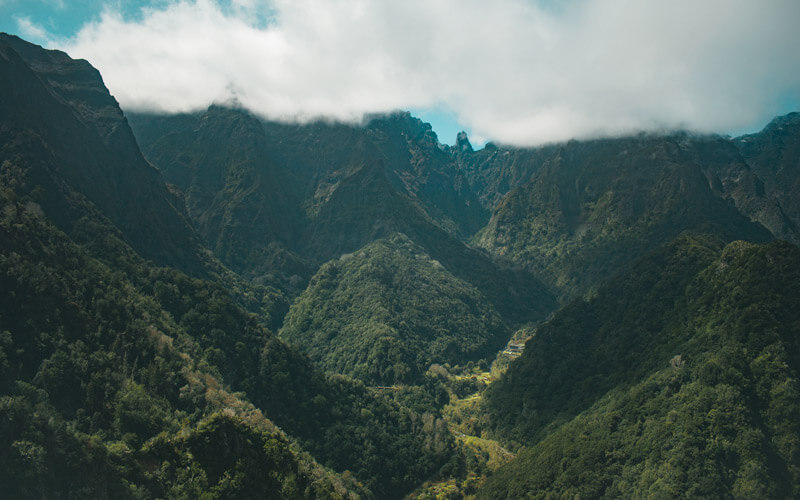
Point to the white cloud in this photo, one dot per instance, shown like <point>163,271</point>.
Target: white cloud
<point>511,70</point>
<point>31,31</point>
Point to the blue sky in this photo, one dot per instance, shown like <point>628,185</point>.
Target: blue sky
<point>59,18</point>
<point>520,72</point>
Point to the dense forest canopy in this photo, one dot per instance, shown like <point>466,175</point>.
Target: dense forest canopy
<point>679,378</point>
<point>387,312</point>
<point>244,308</point>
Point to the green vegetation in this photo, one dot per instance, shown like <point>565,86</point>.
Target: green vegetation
<point>103,345</point>
<point>385,313</point>
<point>695,393</point>
<point>634,325</point>
<point>388,446</point>
<point>123,362</point>
<point>275,201</point>
<point>593,208</point>
<point>93,373</point>
<point>675,374</point>
<point>478,456</point>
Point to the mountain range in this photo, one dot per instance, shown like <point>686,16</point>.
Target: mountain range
<point>214,304</point>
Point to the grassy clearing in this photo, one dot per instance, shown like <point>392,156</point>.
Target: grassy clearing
<point>466,419</point>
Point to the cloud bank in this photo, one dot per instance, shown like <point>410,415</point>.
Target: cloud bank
<point>516,71</point>
<point>30,30</point>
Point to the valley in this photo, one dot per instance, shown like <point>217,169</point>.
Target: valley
<point>212,304</point>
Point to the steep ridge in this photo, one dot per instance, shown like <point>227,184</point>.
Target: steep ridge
<point>429,172</point>
<point>774,155</point>
<point>65,140</point>
<point>312,158</point>
<point>731,177</point>
<point>595,206</point>
<point>680,377</point>
<point>364,207</point>
<point>242,205</point>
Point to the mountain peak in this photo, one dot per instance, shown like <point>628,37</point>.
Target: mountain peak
<point>405,123</point>
<point>788,120</point>
<point>778,126</point>
<point>86,149</point>
<point>462,143</point>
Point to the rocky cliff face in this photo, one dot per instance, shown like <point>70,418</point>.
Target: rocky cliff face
<point>594,206</point>
<point>66,143</point>
<point>572,213</point>
<point>275,201</point>
<point>774,156</point>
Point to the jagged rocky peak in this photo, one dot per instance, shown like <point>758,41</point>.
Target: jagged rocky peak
<point>405,123</point>
<point>462,143</point>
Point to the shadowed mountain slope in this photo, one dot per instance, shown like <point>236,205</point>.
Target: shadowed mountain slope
<point>596,206</point>
<point>774,156</point>
<point>680,377</point>
<point>276,200</point>
<point>65,142</point>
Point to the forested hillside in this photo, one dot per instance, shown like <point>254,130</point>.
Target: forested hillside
<point>387,312</point>
<point>247,308</point>
<point>680,377</point>
<point>134,363</point>
<point>104,394</point>
<point>594,207</point>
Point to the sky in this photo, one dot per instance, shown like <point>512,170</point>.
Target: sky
<point>520,72</point>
